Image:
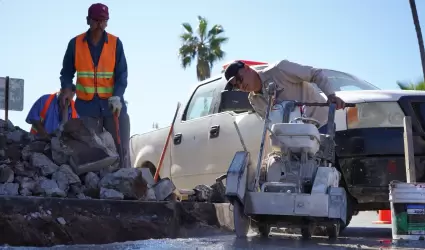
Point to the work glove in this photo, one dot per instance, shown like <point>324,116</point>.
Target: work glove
<point>115,104</point>
<point>340,104</point>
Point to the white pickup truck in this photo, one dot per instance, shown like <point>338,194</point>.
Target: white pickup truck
<point>369,137</point>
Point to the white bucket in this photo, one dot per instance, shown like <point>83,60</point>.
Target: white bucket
<point>407,202</point>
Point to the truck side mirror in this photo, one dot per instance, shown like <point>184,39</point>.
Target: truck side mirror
<point>236,101</point>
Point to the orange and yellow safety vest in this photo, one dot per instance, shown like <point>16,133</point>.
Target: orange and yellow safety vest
<point>46,107</point>
<point>90,79</point>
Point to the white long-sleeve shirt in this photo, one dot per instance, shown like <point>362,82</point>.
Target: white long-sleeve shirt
<point>293,82</point>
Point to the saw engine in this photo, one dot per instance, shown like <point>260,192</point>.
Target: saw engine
<point>298,151</point>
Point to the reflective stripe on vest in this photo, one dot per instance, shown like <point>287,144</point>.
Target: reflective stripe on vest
<point>44,112</point>
<point>91,80</point>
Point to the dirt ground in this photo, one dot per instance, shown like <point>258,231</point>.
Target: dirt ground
<point>33,221</point>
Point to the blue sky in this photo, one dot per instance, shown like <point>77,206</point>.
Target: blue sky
<point>374,40</point>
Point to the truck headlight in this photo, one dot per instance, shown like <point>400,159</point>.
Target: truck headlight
<point>374,115</point>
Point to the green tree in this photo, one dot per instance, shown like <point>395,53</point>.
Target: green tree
<point>412,86</point>
<point>204,46</point>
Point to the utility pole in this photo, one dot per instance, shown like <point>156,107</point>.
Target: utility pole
<point>418,34</point>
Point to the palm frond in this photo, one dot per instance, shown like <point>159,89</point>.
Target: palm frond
<point>202,28</point>
<point>187,27</point>
<point>215,30</point>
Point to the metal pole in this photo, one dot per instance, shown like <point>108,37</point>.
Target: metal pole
<point>6,99</point>
<point>409,153</point>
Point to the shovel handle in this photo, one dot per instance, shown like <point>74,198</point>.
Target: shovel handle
<point>117,128</point>
<point>65,112</point>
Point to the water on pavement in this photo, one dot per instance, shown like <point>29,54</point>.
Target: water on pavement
<point>361,234</point>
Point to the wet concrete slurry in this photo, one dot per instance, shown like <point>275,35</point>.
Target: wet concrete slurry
<point>361,234</point>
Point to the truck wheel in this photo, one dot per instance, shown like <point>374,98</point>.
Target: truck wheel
<point>264,230</point>
<point>333,230</point>
<point>240,220</point>
<point>306,232</point>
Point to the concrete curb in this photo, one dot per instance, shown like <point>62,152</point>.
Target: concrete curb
<point>40,221</point>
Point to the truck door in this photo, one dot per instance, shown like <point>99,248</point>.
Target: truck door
<point>190,155</point>
<point>225,143</point>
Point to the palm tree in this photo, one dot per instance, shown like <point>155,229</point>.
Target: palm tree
<point>204,46</point>
<point>418,33</point>
<point>411,86</point>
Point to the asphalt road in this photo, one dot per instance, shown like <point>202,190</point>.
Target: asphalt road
<point>361,234</point>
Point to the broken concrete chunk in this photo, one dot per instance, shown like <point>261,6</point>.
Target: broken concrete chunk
<point>6,126</point>
<point>110,194</point>
<point>7,175</point>
<point>75,163</point>
<point>150,195</point>
<point>113,168</point>
<point>91,180</point>
<point>65,176</point>
<point>26,153</point>
<point>43,163</point>
<point>13,152</point>
<point>94,166</point>
<point>163,189</point>
<point>33,147</point>
<point>48,188</point>
<point>60,153</point>
<point>37,146</point>
<point>24,169</point>
<point>61,220</point>
<point>15,136</point>
<point>108,141</point>
<point>26,186</point>
<point>128,181</point>
<point>11,189</point>
<point>76,189</point>
<point>203,193</point>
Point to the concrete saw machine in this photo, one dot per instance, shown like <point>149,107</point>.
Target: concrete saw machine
<point>297,185</point>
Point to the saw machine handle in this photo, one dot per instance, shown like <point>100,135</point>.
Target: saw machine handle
<point>319,104</point>
<point>331,113</point>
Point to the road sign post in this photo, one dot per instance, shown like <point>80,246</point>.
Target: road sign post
<point>6,99</point>
<point>11,95</point>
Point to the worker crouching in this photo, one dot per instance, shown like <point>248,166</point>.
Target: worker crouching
<point>46,114</point>
<point>99,61</point>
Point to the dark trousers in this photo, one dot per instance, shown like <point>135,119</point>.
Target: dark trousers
<point>324,129</point>
<point>99,123</point>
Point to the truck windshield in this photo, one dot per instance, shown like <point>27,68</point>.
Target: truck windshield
<point>341,81</point>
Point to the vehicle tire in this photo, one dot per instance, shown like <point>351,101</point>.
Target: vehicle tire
<point>264,230</point>
<point>241,221</point>
<point>306,232</point>
<point>333,230</point>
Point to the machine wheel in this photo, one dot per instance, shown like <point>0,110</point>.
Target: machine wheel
<point>240,220</point>
<point>350,212</point>
<point>306,232</point>
<point>333,230</point>
<point>264,230</point>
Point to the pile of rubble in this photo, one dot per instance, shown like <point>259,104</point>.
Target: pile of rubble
<point>76,163</point>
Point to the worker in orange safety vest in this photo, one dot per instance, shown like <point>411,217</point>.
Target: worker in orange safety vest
<point>96,58</point>
<point>45,115</point>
